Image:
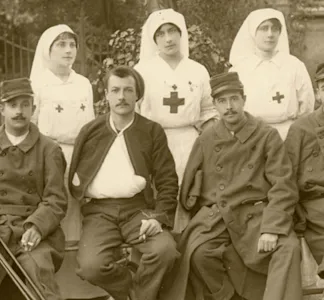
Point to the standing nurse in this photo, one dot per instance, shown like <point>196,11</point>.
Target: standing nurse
<point>277,85</point>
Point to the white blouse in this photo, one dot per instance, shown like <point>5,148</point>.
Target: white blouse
<point>278,89</point>
<point>62,108</point>
<point>176,97</point>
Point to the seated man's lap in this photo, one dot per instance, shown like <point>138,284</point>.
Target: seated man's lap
<point>101,236</point>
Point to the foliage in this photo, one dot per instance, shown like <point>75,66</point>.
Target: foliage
<point>124,48</point>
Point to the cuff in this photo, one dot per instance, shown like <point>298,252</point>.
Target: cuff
<point>276,222</point>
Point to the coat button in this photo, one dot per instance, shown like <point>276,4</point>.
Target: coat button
<point>30,173</point>
<point>223,203</point>
<point>3,153</point>
<point>218,168</point>
<point>211,214</point>
<point>315,153</point>
<point>30,191</point>
<point>309,169</point>
<point>217,149</point>
<point>249,216</point>
<point>221,187</point>
<point>250,166</point>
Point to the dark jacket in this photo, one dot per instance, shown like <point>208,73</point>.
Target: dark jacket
<point>250,167</point>
<point>149,153</point>
<point>32,182</point>
<point>247,183</point>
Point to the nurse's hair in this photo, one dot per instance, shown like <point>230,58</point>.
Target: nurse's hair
<point>125,71</point>
<point>157,30</point>
<point>275,22</point>
<point>63,36</point>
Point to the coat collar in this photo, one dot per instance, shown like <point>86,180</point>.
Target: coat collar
<point>243,133</point>
<point>319,116</point>
<point>26,144</point>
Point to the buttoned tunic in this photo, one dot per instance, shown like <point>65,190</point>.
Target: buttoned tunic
<point>32,191</point>
<point>247,185</point>
<point>305,143</point>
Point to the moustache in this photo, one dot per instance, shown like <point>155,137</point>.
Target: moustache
<point>19,118</point>
<point>122,104</point>
<point>230,112</point>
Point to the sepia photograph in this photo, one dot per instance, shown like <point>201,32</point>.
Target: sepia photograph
<point>162,150</point>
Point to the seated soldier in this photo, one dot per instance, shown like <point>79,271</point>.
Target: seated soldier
<point>247,199</point>
<point>305,147</point>
<point>116,159</point>
<point>32,197</point>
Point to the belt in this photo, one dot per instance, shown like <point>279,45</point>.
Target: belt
<point>17,210</point>
<point>254,201</point>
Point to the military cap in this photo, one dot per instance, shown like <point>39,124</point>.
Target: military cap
<point>225,82</point>
<point>13,88</point>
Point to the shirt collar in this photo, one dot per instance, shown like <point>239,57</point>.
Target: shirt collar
<point>26,144</point>
<point>15,140</point>
<point>277,60</point>
<point>112,125</point>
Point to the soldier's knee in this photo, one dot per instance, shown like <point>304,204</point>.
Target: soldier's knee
<point>90,268</point>
<point>164,250</point>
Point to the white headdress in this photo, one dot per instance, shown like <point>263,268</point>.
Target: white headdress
<point>42,54</point>
<point>154,21</point>
<point>244,43</point>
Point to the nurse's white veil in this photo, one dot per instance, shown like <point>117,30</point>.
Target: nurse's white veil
<point>157,18</point>
<point>244,43</point>
<point>42,53</point>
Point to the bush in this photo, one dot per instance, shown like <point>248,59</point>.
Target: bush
<point>124,48</point>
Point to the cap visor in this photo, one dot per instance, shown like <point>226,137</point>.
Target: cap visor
<point>15,96</point>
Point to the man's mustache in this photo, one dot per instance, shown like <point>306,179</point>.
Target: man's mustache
<point>122,103</point>
<point>19,118</point>
<point>230,112</point>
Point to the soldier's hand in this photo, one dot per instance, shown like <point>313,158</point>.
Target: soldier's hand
<point>267,242</point>
<point>31,238</point>
<point>149,228</point>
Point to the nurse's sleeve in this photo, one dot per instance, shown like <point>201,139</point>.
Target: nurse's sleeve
<point>207,109</point>
<point>305,92</point>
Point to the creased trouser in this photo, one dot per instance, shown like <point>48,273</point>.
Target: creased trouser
<point>314,233</point>
<point>208,271</point>
<point>106,225</point>
<point>282,268</point>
